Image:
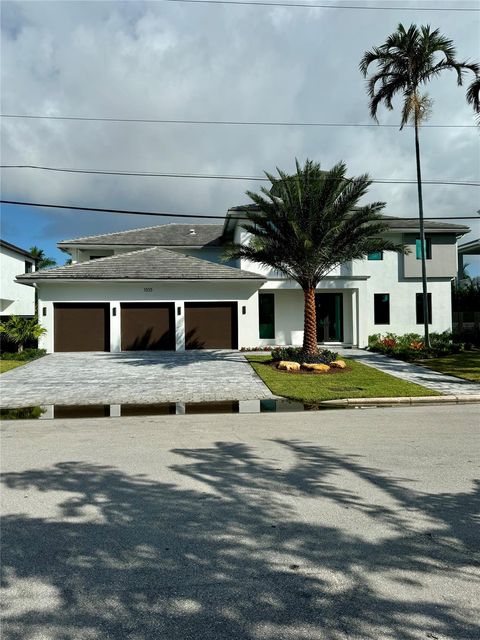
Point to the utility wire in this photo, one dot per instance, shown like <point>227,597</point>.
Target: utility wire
<point>152,174</point>
<point>249,123</point>
<point>325,6</point>
<point>177,215</point>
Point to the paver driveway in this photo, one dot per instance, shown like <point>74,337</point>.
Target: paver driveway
<point>132,377</point>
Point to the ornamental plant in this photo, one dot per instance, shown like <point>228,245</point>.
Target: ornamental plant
<point>20,330</point>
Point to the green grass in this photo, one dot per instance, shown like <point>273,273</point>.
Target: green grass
<point>6,365</point>
<point>360,382</point>
<point>463,365</point>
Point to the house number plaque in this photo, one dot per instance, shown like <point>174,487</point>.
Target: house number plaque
<point>148,289</point>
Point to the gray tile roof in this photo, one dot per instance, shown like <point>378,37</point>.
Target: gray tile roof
<point>392,221</point>
<point>164,235</point>
<point>154,263</point>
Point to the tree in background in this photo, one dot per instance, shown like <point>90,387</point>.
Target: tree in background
<point>406,62</point>
<point>41,260</point>
<point>309,223</point>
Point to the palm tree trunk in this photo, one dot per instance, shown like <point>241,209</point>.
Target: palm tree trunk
<point>310,322</point>
<point>426,318</point>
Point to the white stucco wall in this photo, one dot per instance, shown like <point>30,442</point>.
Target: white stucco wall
<point>244,293</point>
<point>15,299</point>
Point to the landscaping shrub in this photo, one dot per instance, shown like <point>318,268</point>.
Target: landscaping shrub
<point>23,356</point>
<point>297,354</point>
<point>410,346</point>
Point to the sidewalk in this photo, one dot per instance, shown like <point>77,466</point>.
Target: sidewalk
<point>448,385</point>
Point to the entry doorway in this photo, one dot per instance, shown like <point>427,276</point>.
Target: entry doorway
<point>329,308</point>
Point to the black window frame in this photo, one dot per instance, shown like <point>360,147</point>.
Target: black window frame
<point>428,248</point>
<point>261,309</point>
<point>28,266</point>
<point>419,314</point>
<point>377,312</point>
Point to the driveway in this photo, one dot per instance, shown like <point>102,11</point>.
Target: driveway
<point>132,377</point>
<point>358,524</point>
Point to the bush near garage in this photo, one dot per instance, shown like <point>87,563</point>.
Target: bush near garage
<point>410,346</point>
<point>297,354</point>
<point>24,356</point>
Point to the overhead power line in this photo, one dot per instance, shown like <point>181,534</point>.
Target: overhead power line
<point>175,215</point>
<point>153,174</point>
<point>384,7</point>
<point>249,123</point>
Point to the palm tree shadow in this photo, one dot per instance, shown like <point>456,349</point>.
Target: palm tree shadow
<point>128,557</point>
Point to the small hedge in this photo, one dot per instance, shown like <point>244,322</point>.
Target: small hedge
<point>23,356</point>
<point>297,354</point>
<point>410,346</point>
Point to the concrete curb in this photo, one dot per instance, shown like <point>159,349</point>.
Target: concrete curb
<point>415,400</point>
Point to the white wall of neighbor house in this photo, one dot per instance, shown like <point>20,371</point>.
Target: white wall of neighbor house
<point>15,298</point>
<point>242,292</point>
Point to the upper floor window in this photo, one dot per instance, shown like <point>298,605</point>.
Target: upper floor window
<point>428,248</point>
<point>28,267</point>
<point>375,255</point>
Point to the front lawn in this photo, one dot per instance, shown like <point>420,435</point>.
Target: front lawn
<point>6,365</point>
<point>360,382</point>
<point>463,365</point>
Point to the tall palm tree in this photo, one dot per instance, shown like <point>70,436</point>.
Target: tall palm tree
<point>307,224</point>
<point>41,260</point>
<point>406,62</point>
<point>473,96</point>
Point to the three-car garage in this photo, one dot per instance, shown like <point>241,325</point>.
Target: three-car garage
<point>145,326</point>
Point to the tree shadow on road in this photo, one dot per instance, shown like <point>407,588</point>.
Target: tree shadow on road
<point>130,558</point>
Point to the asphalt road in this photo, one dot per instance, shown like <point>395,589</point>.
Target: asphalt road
<point>330,525</point>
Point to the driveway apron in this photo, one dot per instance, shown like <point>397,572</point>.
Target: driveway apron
<point>132,377</point>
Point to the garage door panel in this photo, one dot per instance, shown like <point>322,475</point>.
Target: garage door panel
<point>211,325</point>
<point>148,327</point>
<point>81,327</point>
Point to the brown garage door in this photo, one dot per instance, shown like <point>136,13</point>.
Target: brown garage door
<point>211,325</point>
<point>82,327</point>
<point>148,326</point>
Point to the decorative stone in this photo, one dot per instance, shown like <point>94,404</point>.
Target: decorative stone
<point>285,365</point>
<point>338,364</point>
<point>316,368</point>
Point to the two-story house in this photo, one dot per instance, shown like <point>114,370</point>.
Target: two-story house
<point>166,287</point>
<point>15,299</point>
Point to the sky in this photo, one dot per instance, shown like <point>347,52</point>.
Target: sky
<point>169,60</point>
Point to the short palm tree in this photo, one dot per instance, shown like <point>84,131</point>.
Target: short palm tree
<point>41,260</point>
<point>406,62</point>
<point>307,224</point>
<point>19,330</point>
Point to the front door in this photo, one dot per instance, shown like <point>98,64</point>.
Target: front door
<point>329,317</point>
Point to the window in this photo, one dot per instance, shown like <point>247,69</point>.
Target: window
<point>381,303</point>
<point>428,248</point>
<point>419,305</point>
<point>266,315</point>
<point>97,257</point>
<point>28,266</point>
<point>375,255</point>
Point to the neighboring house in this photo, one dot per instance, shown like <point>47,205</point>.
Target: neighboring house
<point>471,248</point>
<point>15,299</point>
<point>165,287</point>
